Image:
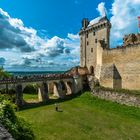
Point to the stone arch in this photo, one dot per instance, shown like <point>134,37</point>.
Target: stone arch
<point>69,88</point>
<point>54,89</point>
<point>91,70</point>
<point>59,89</point>
<point>63,89</point>
<point>43,92</point>
<point>63,86</point>
<point>32,87</point>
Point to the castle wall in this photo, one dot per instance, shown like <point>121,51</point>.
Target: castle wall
<point>121,68</point>
<point>99,60</point>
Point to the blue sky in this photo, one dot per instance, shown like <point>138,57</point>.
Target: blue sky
<point>43,34</point>
<point>57,17</point>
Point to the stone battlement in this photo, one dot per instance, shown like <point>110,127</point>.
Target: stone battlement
<point>129,41</point>
<point>94,25</point>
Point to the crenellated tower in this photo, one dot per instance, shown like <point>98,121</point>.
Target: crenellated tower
<point>91,34</point>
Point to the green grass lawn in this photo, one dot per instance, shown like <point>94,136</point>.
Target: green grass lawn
<point>84,118</point>
<point>30,97</point>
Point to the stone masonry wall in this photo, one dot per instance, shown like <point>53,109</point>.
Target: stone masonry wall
<point>121,98</point>
<point>4,135</point>
<point>121,68</point>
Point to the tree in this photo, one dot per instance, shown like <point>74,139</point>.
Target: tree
<point>4,74</point>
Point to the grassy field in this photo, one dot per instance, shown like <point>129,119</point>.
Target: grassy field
<point>30,97</point>
<point>84,118</point>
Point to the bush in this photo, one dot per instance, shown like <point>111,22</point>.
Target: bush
<point>4,97</point>
<point>19,129</point>
<point>4,74</point>
<point>2,91</point>
<point>30,89</point>
<point>10,97</point>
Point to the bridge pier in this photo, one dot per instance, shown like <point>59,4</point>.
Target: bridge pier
<point>43,92</point>
<point>55,90</point>
<point>7,89</point>
<point>19,96</point>
<point>62,89</point>
<point>78,84</point>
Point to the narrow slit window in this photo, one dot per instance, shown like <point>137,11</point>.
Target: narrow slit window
<point>95,40</point>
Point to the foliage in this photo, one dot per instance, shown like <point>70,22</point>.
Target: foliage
<point>30,89</point>
<point>18,128</point>
<point>11,97</point>
<point>3,97</point>
<point>4,74</point>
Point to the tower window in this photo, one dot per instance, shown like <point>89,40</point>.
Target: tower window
<point>91,49</point>
<point>95,40</point>
<point>87,35</point>
<point>87,43</point>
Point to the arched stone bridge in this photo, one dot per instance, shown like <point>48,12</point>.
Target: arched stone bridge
<point>59,85</point>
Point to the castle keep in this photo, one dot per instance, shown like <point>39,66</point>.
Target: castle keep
<point>114,68</point>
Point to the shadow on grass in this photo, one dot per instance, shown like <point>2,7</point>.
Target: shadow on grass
<point>50,102</point>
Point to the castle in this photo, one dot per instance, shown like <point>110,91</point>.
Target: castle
<point>115,68</point>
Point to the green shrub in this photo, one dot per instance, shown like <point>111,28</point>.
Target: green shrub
<point>3,97</point>
<point>4,74</point>
<point>9,97</point>
<point>18,128</point>
<point>24,130</point>
<point>2,91</point>
<point>30,89</point>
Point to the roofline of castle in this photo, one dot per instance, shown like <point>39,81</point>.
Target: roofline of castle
<point>96,26</point>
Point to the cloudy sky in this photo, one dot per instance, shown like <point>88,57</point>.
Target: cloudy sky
<point>42,35</point>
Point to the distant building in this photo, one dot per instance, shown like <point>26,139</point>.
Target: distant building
<point>115,68</point>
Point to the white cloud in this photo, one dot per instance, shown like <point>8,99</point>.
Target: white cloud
<point>21,47</point>
<point>101,9</point>
<point>73,37</point>
<point>124,19</point>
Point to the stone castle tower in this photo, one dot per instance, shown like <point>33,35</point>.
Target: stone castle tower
<point>114,67</point>
<point>93,32</point>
